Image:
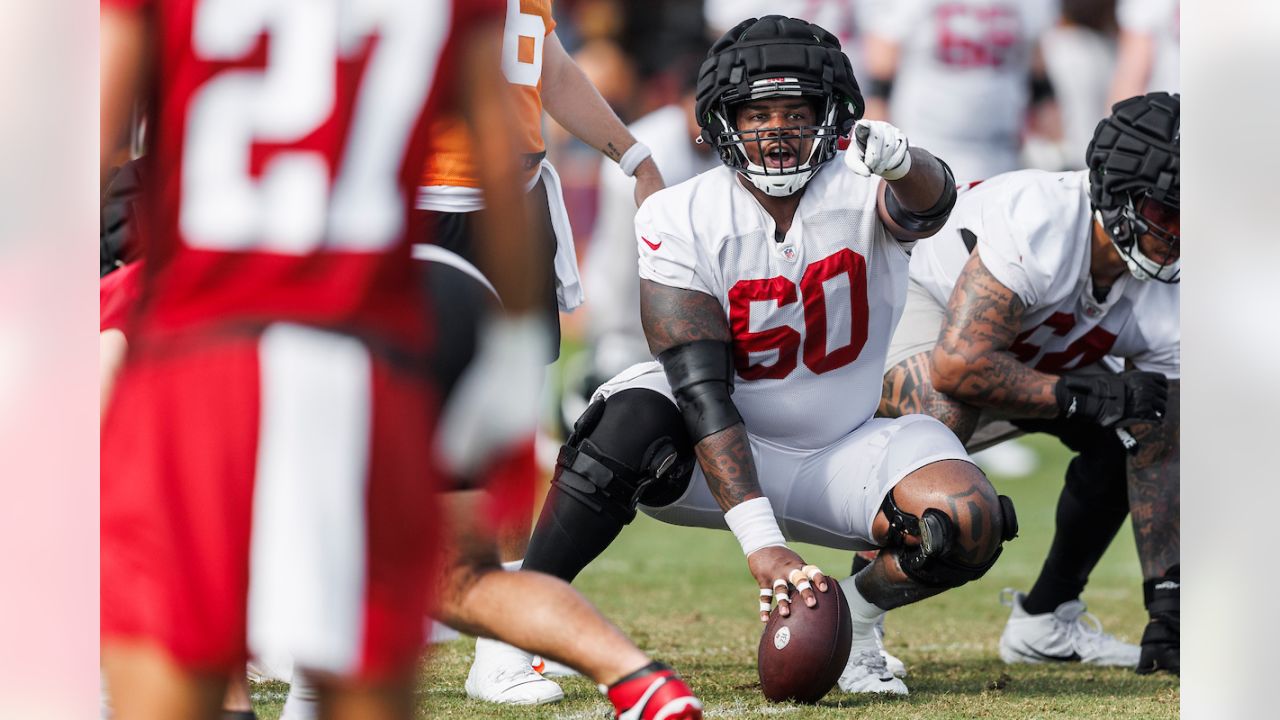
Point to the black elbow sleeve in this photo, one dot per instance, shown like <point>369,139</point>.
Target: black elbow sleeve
<point>928,221</point>
<point>701,377</point>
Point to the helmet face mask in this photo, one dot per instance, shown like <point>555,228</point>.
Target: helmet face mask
<point>1129,224</point>
<point>802,61</point>
<point>748,150</point>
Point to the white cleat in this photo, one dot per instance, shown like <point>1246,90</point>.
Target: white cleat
<point>552,669</point>
<point>867,672</point>
<point>896,666</point>
<point>1068,634</point>
<point>503,674</point>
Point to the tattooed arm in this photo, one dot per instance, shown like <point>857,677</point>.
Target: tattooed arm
<point>971,361</point>
<point>571,100</point>
<point>673,317</point>
<point>1154,489</point>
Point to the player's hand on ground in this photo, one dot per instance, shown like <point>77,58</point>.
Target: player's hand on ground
<point>878,148</point>
<point>1114,400</point>
<point>781,575</point>
<point>648,180</point>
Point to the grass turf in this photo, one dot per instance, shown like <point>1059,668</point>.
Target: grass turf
<point>685,596</point>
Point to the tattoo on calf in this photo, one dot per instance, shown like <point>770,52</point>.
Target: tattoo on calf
<point>1154,489</point>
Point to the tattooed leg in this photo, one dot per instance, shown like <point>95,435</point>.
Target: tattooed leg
<point>960,490</point>
<point>1154,491</point>
<point>908,389</point>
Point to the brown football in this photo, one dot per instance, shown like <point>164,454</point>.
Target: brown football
<point>801,656</point>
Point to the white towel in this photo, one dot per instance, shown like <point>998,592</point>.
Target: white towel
<point>569,293</point>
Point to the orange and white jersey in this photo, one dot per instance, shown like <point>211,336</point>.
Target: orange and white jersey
<point>449,181</point>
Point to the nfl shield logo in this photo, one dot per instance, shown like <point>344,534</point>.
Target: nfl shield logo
<point>788,253</point>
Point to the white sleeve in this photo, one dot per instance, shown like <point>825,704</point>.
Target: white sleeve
<point>1159,338</point>
<point>1026,243</point>
<point>668,251</point>
<point>1165,360</point>
<point>998,247</point>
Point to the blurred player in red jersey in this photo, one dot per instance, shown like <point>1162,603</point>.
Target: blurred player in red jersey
<point>271,408</point>
<point>266,439</point>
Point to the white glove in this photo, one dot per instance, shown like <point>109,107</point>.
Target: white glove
<point>878,148</point>
<point>498,398</point>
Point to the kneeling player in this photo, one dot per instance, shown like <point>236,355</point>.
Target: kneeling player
<point>785,272</point>
<point>1017,311</point>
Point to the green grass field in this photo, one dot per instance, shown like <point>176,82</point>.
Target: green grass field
<point>684,595</point>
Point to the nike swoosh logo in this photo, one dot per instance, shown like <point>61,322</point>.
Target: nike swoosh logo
<point>1073,657</point>
<point>652,246</point>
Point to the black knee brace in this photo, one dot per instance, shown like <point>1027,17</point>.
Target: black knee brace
<point>933,562</point>
<point>627,449</point>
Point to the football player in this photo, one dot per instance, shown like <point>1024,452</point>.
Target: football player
<point>478,439</point>
<point>271,406</point>
<point>1024,308</point>
<point>770,288</point>
<point>961,76</point>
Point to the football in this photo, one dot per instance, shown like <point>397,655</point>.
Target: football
<point>801,656</point>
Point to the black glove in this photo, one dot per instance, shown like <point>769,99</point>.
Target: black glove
<point>1113,400</point>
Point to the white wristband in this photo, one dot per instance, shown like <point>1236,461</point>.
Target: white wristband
<point>752,522</point>
<point>632,158</point>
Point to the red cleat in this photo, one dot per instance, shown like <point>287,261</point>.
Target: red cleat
<point>654,692</point>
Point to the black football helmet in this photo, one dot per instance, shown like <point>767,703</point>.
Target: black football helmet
<point>776,56</point>
<point>1134,179</point>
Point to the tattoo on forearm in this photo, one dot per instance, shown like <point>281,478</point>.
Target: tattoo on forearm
<point>612,151</point>
<point>726,460</point>
<point>983,318</point>
<point>673,317</point>
<point>1154,489</point>
<point>908,388</point>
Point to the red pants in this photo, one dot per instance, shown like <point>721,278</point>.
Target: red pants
<point>273,494</point>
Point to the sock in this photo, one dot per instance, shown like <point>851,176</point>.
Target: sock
<point>513,565</point>
<point>1084,528</point>
<point>863,613</point>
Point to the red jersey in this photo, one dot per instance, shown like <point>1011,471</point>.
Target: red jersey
<point>286,138</point>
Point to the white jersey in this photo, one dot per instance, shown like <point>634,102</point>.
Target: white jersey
<point>962,84</point>
<point>811,316</point>
<point>1162,20</point>
<point>1033,233</point>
